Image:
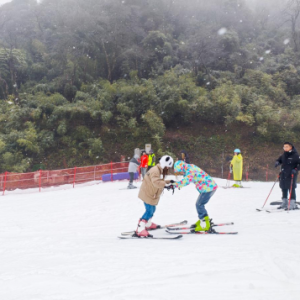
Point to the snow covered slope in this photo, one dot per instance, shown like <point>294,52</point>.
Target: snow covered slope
<point>63,245</point>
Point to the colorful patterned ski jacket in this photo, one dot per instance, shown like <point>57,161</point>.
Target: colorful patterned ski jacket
<point>204,183</point>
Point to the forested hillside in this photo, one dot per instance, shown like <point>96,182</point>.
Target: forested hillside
<point>84,81</point>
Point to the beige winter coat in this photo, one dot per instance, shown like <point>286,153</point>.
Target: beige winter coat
<point>152,186</point>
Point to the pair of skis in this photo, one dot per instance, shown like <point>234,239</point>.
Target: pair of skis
<point>191,229</point>
<point>234,187</point>
<point>275,210</point>
<point>132,234</point>
<point>179,229</point>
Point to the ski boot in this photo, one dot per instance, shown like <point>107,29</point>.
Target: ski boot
<point>203,225</point>
<point>284,204</point>
<point>150,225</point>
<point>238,184</point>
<point>141,230</point>
<point>193,226</point>
<point>293,205</point>
<point>131,186</point>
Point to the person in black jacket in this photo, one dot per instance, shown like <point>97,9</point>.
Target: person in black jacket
<point>290,162</point>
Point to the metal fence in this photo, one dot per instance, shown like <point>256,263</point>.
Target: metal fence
<point>43,178</point>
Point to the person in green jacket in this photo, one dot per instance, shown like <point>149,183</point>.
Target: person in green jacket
<point>151,160</point>
<point>237,167</point>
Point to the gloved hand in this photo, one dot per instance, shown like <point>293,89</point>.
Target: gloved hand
<point>169,182</point>
<point>277,164</point>
<point>294,171</point>
<point>169,187</point>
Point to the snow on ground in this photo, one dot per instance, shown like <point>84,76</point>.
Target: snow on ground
<point>62,245</point>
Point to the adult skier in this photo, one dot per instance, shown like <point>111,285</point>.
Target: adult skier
<point>289,162</point>
<point>132,168</point>
<point>150,192</point>
<point>237,167</point>
<point>205,185</point>
<point>144,163</point>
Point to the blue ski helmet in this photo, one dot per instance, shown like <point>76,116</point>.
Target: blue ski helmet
<point>237,151</point>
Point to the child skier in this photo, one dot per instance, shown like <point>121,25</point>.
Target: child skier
<point>150,193</point>
<point>237,167</point>
<point>289,161</point>
<point>205,186</point>
<point>132,168</point>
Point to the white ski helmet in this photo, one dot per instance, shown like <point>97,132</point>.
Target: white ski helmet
<point>166,161</point>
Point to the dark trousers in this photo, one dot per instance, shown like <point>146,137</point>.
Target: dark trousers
<point>285,193</point>
<point>143,171</point>
<point>131,176</point>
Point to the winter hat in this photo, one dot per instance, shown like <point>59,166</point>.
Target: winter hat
<point>166,161</point>
<point>288,143</point>
<point>237,151</point>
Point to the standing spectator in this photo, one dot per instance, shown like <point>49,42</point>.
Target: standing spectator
<point>144,163</point>
<point>151,160</point>
<point>289,162</point>
<point>132,168</point>
<point>184,156</point>
<point>237,167</point>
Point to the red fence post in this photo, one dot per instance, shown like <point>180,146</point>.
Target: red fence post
<point>74,177</point>
<point>267,173</point>
<point>4,183</point>
<point>111,171</point>
<point>40,180</point>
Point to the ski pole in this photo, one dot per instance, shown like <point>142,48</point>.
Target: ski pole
<point>271,191</point>
<point>291,191</point>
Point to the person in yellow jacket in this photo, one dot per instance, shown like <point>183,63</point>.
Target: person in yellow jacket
<point>151,160</point>
<point>237,167</point>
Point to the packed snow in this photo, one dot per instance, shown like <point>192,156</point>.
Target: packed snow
<point>61,244</point>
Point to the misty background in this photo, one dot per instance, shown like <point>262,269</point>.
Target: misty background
<point>84,82</point>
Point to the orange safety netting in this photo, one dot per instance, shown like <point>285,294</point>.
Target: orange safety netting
<point>41,178</point>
